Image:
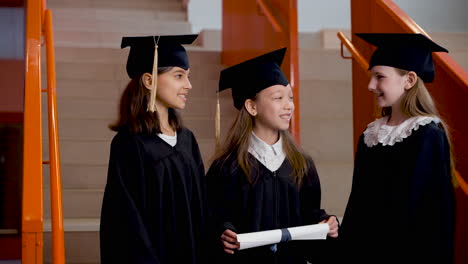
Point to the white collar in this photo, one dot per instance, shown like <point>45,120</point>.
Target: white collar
<point>263,148</point>
<point>171,140</point>
<point>379,132</point>
<point>272,156</point>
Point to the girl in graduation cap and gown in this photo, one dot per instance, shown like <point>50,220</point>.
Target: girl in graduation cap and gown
<point>260,179</point>
<point>401,207</point>
<point>154,208</point>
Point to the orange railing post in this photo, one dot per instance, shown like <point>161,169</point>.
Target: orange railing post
<point>38,23</point>
<point>32,209</point>
<point>58,249</point>
<point>251,28</point>
<point>293,65</point>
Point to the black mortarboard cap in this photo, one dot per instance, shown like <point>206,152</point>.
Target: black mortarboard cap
<point>406,51</point>
<point>171,53</point>
<point>252,76</point>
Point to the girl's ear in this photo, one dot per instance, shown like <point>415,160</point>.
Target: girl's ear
<point>411,79</point>
<point>251,107</point>
<point>146,79</point>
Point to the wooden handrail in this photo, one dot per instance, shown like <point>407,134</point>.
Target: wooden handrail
<point>58,248</point>
<point>354,52</point>
<point>32,202</point>
<point>410,26</point>
<point>461,182</point>
<point>270,17</point>
<point>404,21</point>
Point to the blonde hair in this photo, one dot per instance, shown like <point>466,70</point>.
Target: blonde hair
<point>238,140</point>
<point>417,101</point>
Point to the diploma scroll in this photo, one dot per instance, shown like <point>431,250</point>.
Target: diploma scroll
<point>262,238</point>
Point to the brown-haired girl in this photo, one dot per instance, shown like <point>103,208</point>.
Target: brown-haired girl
<point>154,208</point>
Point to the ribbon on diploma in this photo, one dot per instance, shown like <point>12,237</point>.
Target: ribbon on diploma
<point>262,238</point>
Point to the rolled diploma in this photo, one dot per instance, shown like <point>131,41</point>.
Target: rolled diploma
<point>262,238</point>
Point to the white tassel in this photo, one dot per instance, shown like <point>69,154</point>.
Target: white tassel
<point>217,121</point>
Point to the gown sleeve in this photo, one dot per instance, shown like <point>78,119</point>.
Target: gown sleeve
<point>310,196</point>
<point>221,197</point>
<point>315,251</point>
<point>198,158</point>
<point>123,233</point>
<point>352,209</point>
<point>432,201</point>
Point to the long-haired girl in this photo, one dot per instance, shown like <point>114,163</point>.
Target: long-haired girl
<point>154,208</point>
<point>260,179</point>
<point>401,207</point>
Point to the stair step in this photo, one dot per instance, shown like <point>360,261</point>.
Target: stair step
<point>69,107</point>
<point>107,70</point>
<point>96,152</point>
<point>335,181</point>
<point>328,140</point>
<point>91,71</point>
<point>113,14</point>
<point>318,64</point>
<point>116,55</point>
<point>75,225</point>
<point>77,203</point>
<point>86,108</point>
<point>325,99</point>
<point>134,4</point>
<point>80,247</point>
<point>76,24</point>
<point>95,55</point>
<point>96,130</point>
<point>90,39</point>
<point>97,89</point>
<point>85,129</point>
<point>83,152</point>
<point>80,176</point>
<point>210,39</point>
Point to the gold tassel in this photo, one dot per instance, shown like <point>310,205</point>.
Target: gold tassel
<point>217,121</point>
<point>154,80</point>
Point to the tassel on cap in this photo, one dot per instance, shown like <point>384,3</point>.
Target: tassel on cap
<point>217,121</point>
<point>154,79</point>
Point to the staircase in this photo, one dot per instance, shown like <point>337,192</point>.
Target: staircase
<point>91,75</point>
<point>326,115</point>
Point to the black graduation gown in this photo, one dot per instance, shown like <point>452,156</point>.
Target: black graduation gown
<point>273,202</point>
<point>154,207</point>
<point>401,207</point>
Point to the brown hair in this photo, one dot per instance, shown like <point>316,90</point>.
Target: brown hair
<point>417,101</point>
<point>238,140</point>
<point>133,115</point>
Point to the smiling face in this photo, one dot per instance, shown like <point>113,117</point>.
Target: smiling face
<point>388,85</point>
<point>173,88</point>
<point>273,108</point>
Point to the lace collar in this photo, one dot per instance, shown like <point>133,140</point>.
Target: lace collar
<point>379,132</point>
